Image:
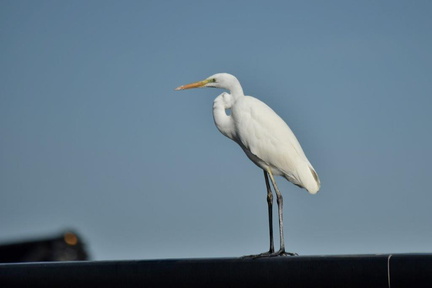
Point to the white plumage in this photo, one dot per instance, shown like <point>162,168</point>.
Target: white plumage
<point>264,137</point>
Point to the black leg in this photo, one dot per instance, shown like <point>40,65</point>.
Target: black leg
<point>281,251</point>
<point>270,211</point>
<point>270,214</point>
<point>279,199</point>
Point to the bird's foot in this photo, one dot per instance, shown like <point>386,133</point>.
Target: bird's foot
<point>281,252</point>
<point>264,254</point>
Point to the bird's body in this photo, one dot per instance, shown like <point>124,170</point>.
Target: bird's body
<point>264,137</point>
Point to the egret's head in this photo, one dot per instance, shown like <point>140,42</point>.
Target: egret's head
<point>219,80</point>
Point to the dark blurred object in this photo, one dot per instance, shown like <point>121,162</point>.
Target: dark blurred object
<point>67,246</point>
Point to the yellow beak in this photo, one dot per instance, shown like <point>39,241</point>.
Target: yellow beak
<point>193,85</point>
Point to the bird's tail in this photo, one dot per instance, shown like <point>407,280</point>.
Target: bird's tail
<point>309,179</point>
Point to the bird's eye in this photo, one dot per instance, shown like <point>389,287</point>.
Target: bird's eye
<point>213,80</point>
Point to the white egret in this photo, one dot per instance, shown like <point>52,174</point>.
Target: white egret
<point>265,138</point>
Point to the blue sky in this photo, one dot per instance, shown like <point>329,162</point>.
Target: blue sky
<point>94,137</point>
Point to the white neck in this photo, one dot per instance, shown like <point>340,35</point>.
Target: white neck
<point>223,121</point>
<point>235,89</point>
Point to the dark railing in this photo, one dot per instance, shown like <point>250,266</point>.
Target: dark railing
<point>387,270</point>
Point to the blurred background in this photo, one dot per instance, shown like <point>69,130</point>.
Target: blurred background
<point>93,136</point>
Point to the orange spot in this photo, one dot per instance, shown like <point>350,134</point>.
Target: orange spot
<point>70,238</point>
